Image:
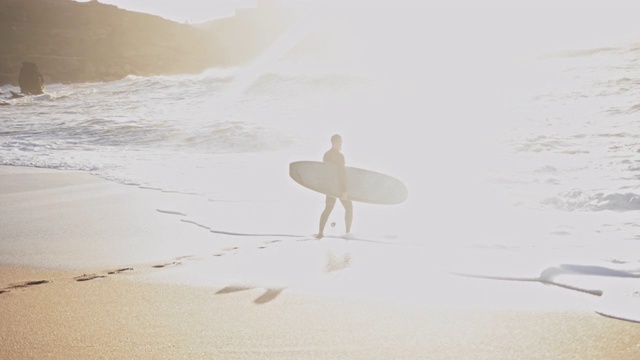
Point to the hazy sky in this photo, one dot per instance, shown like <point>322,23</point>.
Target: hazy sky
<point>191,11</point>
<point>532,25</point>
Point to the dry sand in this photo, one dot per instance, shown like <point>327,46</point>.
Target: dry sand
<point>77,254</point>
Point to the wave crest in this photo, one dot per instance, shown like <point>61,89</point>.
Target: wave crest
<point>577,200</point>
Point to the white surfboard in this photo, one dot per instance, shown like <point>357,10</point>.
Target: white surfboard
<point>362,185</point>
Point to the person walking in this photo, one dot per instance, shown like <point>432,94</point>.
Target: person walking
<point>334,156</point>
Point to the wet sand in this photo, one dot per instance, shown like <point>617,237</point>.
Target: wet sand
<point>88,270</point>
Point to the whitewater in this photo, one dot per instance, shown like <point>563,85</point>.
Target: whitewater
<point>530,173</point>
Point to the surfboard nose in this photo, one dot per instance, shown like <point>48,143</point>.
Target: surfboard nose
<point>293,173</point>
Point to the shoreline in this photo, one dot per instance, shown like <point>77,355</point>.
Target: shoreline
<point>91,269</point>
<point>65,219</point>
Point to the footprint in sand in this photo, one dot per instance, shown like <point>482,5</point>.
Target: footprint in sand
<point>177,261</point>
<point>27,284</point>
<point>266,244</point>
<point>87,277</point>
<point>173,263</point>
<point>225,251</point>
<point>118,271</point>
<point>23,285</point>
<point>160,266</point>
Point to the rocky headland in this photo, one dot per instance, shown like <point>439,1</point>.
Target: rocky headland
<point>90,41</point>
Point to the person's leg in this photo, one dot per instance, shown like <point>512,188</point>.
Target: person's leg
<point>348,214</point>
<point>329,204</point>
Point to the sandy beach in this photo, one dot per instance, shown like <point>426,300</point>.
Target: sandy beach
<point>90,269</point>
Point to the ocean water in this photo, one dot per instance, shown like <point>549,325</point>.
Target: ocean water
<point>520,165</point>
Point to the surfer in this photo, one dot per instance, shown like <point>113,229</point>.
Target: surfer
<point>335,156</point>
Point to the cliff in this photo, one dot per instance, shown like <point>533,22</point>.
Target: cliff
<point>76,42</point>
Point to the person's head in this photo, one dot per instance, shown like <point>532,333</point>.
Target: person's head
<point>336,142</point>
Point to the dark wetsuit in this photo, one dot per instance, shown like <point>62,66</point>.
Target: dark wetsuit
<point>335,156</point>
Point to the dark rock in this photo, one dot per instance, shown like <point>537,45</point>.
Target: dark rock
<point>30,79</point>
<point>15,95</point>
